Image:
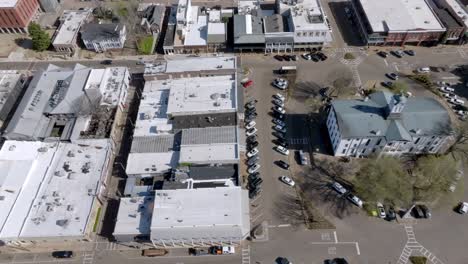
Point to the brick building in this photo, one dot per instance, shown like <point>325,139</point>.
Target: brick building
<point>15,15</point>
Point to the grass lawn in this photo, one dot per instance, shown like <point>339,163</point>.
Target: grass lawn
<point>145,45</point>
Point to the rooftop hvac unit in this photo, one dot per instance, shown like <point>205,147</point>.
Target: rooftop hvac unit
<point>70,207</point>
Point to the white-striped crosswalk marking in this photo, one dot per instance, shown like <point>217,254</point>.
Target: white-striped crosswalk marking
<point>412,245</point>
<point>298,141</point>
<point>246,255</point>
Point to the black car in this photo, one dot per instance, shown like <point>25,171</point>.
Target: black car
<point>251,114</point>
<point>249,118</point>
<point>281,260</point>
<point>282,143</point>
<point>254,176</point>
<point>294,57</point>
<point>382,54</point>
<point>322,56</point>
<point>397,54</point>
<point>198,251</point>
<point>391,214</point>
<point>252,138</point>
<point>256,182</point>
<point>278,135</point>
<point>410,52</point>
<point>253,193</point>
<point>387,84</point>
<point>282,164</point>
<point>417,212</point>
<point>460,107</point>
<point>426,211</point>
<point>287,58</point>
<point>253,160</point>
<point>315,57</point>
<point>254,144</point>
<point>62,254</point>
<point>278,115</point>
<point>251,111</point>
<point>106,62</point>
<point>279,57</point>
<point>336,261</point>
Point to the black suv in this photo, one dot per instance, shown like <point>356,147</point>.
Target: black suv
<point>62,254</point>
<point>282,164</point>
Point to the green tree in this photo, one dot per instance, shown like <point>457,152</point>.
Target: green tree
<point>40,38</point>
<point>459,148</point>
<point>385,180</point>
<point>432,176</point>
<point>399,87</point>
<point>34,29</point>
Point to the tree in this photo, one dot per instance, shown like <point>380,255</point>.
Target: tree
<point>40,38</point>
<point>383,179</point>
<point>459,148</point>
<point>399,87</point>
<point>433,176</point>
<point>341,81</point>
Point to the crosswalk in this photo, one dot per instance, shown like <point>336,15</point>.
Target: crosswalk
<point>246,255</point>
<point>463,53</point>
<point>88,257</point>
<point>413,246</point>
<point>298,141</point>
<point>356,77</point>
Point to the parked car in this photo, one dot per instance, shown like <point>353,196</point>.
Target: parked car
<point>287,180</point>
<point>280,83</point>
<point>281,260</point>
<point>252,153</point>
<point>249,106</point>
<point>282,164</point>
<point>339,188</point>
<point>198,251</point>
<point>254,176</point>
<point>105,62</point>
<point>252,131</point>
<point>278,115</point>
<point>249,118</point>
<point>281,142</point>
<point>426,211</point>
<point>250,125</point>
<point>392,76</point>
<point>62,254</point>
<point>314,57</point>
<point>294,57</point>
<point>254,168</point>
<point>463,208</point>
<point>278,102</point>
<point>336,261</point>
<point>255,183</point>
<point>322,56</point>
<point>461,113</point>
<point>253,145</point>
<point>424,70</point>
<point>417,212</point>
<point>449,95</point>
<point>302,158</point>
<point>251,112</point>
<point>251,139</point>
<point>460,107</point>
<point>442,83</point>
<point>279,128</point>
<point>410,52</point>
<point>446,89</point>
<point>387,84</point>
<point>247,83</point>
<point>397,53</point>
<point>382,54</point>
<point>253,193</point>
<point>279,110</point>
<point>282,150</point>
<point>279,96</point>
<point>307,56</point>
<point>279,135</point>
<point>456,101</point>
<point>278,122</point>
<point>222,250</point>
<point>279,57</point>
<point>381,211</point>
<point>391,214</point>
<point>253,160</point>
<point>354,199</point>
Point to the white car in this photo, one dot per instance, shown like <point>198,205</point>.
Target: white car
<point>280,83</point>
<point>279,96</point>
<point>287,180</point>
<point>250,125</point>
<point>278,102</point>
<point>279,110</point>
<point>251,132</point>
<point>450,95</point>
<point>446,89</point>
<point>463,208</point>
<point>441,83</point>
<point>456,101</point>
<point>355,200</point>
<point>339,188</point>
<point>280,128</point>
<point>460,113</point>
<point>252,153</point>
<point>306,56</point>
<point>282,150</point>
<point>253,168</point>
<point>381,210</point>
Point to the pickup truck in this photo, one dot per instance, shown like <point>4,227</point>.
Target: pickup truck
<point>219,250</point>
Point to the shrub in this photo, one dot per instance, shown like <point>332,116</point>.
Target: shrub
<point>349,56</point>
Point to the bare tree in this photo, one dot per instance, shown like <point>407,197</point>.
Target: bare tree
<point>289,208</point>
<point>459,148</point>
<point>340,80</point>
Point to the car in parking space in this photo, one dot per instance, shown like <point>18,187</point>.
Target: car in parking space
<point>460,113</point>
<point>302,158</point>
<point>279,109</point>
<point>282,164</point>
<point>315,57</point>
<point>281,260</point>
<point>354,199</point>
<point>456,101</point>
<point>278,115</point>
<point>252,153</point>
<point>387,84</point>
<point>392,76</point>
<point>416,212</point>
<point>279,57</point>
<point>282,143</point>
<point>278,102</point>
<point>446,89</point>
<point>254,168</point>
<point>250,125</point>
<point>425,210</point>
<point>382,54</point>
<point>282,150</point>
<point>294,57</point>
<point>247,83</point>
<point>391,214</point>
<point>279,135</point>
<point>256,182</point>
<point>287,181</point>
<point>249,106</point>
<point>251,111</point>
<point>280,83</point>
<point>463,208</point>
<point>253,145</point>
<point>397,53</point>
<point>279,96</point>
<point>253,193</point>
<point>336,261</point>
<point>251,131</point>
<point>381,210</point>
<point>278,122</point>
<point>306,56</point>
<point>279,128</point>
<point>442,84</point>
<point>424,70</point>
<point>253,160</point>
<point>339,188</point>
<point>410,52</point>
<point>251,139</point>
<point>322,56</point>
<point>249,118</point>
<point>62,254</point>
<point>460,107</point>
<point>105,62</point>
<point>449,95</point>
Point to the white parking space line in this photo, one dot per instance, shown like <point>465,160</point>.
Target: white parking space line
<point>357,249</point>
<point>386,63</point>
<point>336,237</point>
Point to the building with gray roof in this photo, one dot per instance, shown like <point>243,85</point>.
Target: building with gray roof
<point>103,37</point>
<point>248,32</point>
<point>385,123</point>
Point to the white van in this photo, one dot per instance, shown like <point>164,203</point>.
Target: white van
<point>424,70</point>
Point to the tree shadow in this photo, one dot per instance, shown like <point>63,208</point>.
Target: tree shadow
<point>24,43</point>
<point>288,208</point>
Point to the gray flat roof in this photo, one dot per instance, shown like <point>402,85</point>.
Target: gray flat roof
<point>209,135</point>
<point>248,29</point>
<point>160,143</point>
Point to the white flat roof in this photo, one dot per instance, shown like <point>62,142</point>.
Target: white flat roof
<point>71,21</point>
<point>134,216</point>
<point>37,200</point>
<point>209,153</point>
<point>201,95</point>
<point>8,81</point>
<point>185,64</point>
<point>8,3</point>
<point>197,207</point>
<point>214,15</point>
<point>196,29</point>
<point>151,163</point>
<point>301,14</point>
<point>216,29</point>
<point>459,9</point>
<point>152,114</point>
<point>400,15</point>
<point>114,85</point>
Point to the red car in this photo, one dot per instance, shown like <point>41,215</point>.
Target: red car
<point>247,83</point>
